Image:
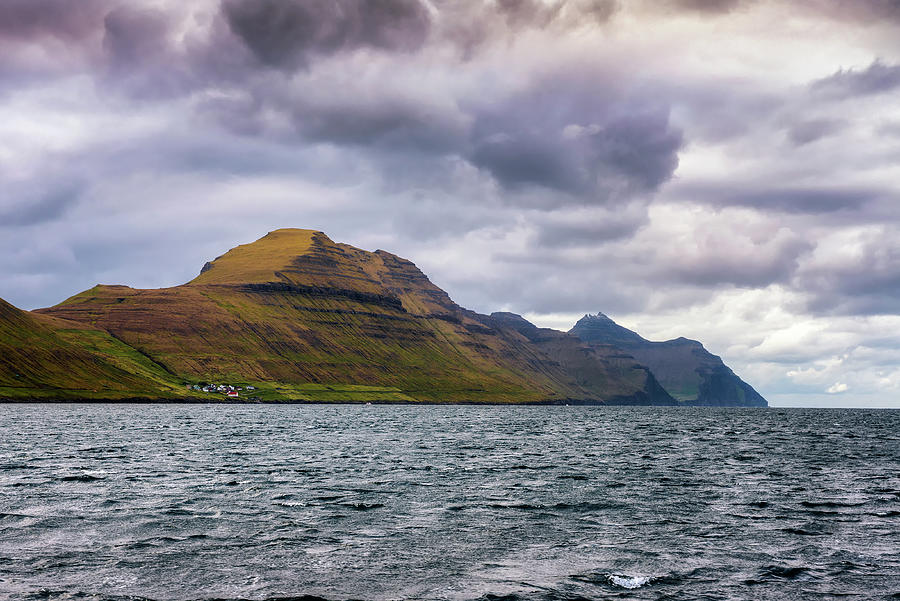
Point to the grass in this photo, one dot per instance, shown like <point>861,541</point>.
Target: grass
<point>257,262</point>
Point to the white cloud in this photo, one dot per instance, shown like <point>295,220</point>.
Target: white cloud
<point>837,388</point>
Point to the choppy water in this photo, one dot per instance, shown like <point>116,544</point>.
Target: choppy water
<point>457,503</point>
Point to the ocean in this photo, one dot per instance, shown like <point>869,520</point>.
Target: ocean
<point>494,503</point>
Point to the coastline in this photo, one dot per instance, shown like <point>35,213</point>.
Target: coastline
<point>196,401</point>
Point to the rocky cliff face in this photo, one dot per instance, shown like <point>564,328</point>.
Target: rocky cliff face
<point>688,372</point>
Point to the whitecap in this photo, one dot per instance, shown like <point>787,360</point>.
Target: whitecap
<point>629,582</point>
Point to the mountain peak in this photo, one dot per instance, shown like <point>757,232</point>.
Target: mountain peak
<point>310,260</point>
<point>687,371</point>
<point>513,321</point>
<point>596,327</point>
<point>262,261</point>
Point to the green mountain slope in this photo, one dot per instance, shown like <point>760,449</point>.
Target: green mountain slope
<point>687,371</point>
<point>308,317</point>
<point>42,357</point>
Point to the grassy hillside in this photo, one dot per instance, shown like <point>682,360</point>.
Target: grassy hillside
<point>295,309</point>
<point>42,357</point>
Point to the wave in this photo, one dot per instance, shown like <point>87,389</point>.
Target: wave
<point>830,504</point>
<point>775,573</point>
<point>628,582</point>
<point>618,580</point>
<point>805,531</point>
<point>80,478</point>
<point>362,506</point>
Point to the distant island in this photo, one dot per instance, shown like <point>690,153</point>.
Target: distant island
<point>296,317</point>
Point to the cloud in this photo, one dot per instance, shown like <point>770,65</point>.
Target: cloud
<point>730,247</point>
<point>708,6</point>
<point>813,199</point>
<point>877,78</point>
<point>290,33</point>
<point>135,36</point>
<point>812,130</point>
<point>837,388</point>
<point>26,20</point>
<point>580,137</point>
<point>577,139</point>
<point>21,206</point>
<point>854,272</point>
<point>539,13</point>
<point>44,39</point>
<point>866,11</point>
<point>589,227</point>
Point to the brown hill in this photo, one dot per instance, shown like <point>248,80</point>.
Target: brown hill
<point>306,318</point>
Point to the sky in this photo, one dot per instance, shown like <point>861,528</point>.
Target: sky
<point>724,170</point>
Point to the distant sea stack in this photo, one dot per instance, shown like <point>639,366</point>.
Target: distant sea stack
<point>296,316</point>
<point>687,371</point>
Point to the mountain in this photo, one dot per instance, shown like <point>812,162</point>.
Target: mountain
<point>42,357</point>
<point>589,366</point>
<point>300,317</point>
<point>688,372</point>
<point>295,316</point>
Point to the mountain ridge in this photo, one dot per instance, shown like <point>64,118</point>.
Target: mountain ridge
<point>304,318</point>
<point>684,367</point>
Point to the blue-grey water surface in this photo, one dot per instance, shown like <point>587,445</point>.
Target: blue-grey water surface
<point>177,502</point>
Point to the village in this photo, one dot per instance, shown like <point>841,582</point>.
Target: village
<point>226,389</point>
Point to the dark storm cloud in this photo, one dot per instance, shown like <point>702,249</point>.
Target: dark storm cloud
<point>630,154</point>
<point>42,39</point>
<point>145,57</point>
<point>561,231</point>
<point>585,139</point>
<point>865,283</point>
<point>807,132</point>
<point>392,122</point>
<point>583,135</point>
<point>877,78</point>
<point>314,111</point>
<point>798,200</point>
<point>599,11</point>
<point>30,204</point>
<point>135,36</point>
<point>528,11</point>
<point>709,6</point>
<point>517,159</point>
<point>62,19</point>
<point>868,11</point>
<point>288,33</point>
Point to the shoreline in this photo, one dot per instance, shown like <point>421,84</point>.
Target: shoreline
<point>196,401</point>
